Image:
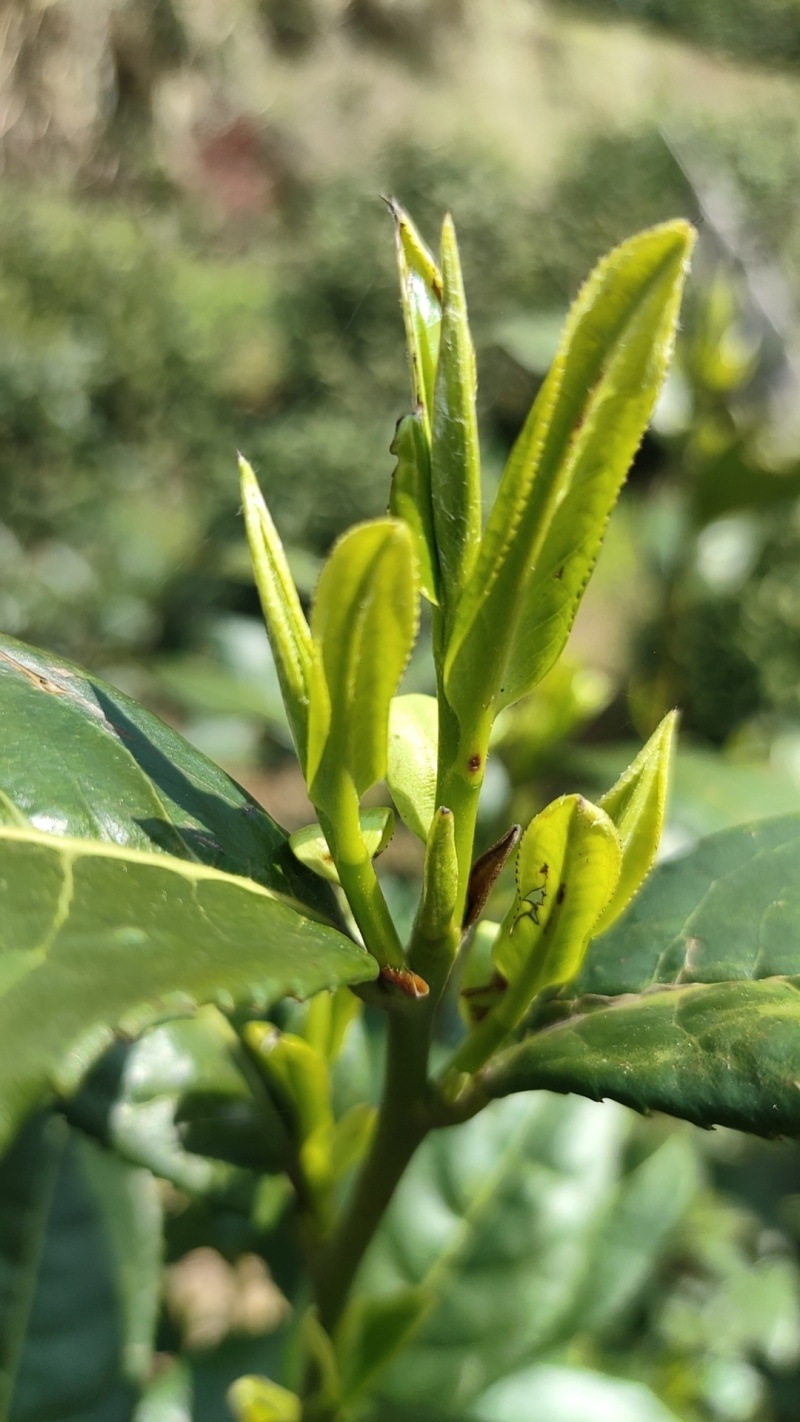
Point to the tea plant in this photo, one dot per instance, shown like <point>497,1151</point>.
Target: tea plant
<point>141,886</point>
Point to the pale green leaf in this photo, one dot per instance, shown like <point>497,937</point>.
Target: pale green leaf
<point>364,622</point>
<point>412,764</point>
<point>310,846</point>
<point>636,806</point>
<point>421,299</point>
<point>455,453</point>
<point>410,498</point>
<point>568,865</point>
<point>253,1399</point>
<point>287,628</point>
<point>565,471</point>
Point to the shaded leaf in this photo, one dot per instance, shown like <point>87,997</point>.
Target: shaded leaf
<point>372,1332</point>
<point>497,1221</point>
<point>179,1102</point>
<point>79,1275</point>
<point>96,939</point>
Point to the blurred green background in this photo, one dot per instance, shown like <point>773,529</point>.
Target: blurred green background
<point>194,258</point>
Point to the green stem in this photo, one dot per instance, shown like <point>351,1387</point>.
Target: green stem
<point>403,1123</point>
<point>357,876</point>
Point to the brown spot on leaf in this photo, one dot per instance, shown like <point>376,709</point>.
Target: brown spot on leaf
<point>561,893</point>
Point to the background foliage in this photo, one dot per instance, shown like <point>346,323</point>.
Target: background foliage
<point>193,259</point>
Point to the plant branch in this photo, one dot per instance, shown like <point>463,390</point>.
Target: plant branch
<point>403,1122</point>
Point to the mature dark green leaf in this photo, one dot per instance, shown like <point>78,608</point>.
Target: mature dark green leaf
<point>96,939</point>
<point>717,1054</point>
<point>79,1275</point>
<point>499,1223</point>
<point>728,909</point>
<point>79,758</point>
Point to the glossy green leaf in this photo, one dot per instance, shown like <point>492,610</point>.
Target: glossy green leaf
<point>96,939</point>
<point>717,1054</point>
<point>79,1277</point>
<point>455,452</point>
<point>410,498</point>
<point>364,622</point>
<point>106,769</point>
<point>498,1221</point>
<point>636,806</point>
<point>310,846</point>
<point>421,299</point>
<point>412,764</point>
<point>564,473</point>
